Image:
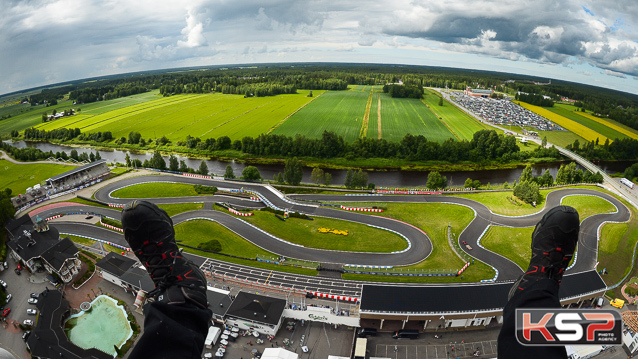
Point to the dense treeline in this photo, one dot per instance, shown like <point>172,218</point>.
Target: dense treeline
<point>403,91</point>
<point>29,154</point>
<point>63,134</point>
<point>51,96</point>
<point>534,99</point>
<point>620,149</point>
<point>104,93</point>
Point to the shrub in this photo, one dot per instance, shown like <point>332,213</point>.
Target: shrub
<point>212,245</point>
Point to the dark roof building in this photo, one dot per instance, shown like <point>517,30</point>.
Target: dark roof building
<point>47,339</point>
<point>256,312</point>
<point>219,301</point>
<point>39,246</point>
<point>125,272</point>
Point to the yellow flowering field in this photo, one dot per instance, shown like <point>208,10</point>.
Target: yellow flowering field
<point>609,124</point>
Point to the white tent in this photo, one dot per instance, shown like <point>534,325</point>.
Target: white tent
<point>278,353</point>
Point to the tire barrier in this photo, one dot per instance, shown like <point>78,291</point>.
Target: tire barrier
<point>255,199</point>
<point>332,296</point>
<point>361,209</point>
<point>196,176</point>
<point>239,213</point>
<point>407,192</point>
<point>111,227</point>
<point>54,217</point>
<point>463,269</point>
<point>115,205</point>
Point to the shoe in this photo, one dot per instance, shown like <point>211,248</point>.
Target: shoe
<point>553,244</point>
<point>149,232</point>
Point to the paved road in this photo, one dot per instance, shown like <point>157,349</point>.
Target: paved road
<point>420,244</point>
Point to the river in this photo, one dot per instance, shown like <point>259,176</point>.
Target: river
<point>379,178</point>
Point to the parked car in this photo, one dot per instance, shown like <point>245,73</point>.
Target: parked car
<point>9,296</point>
<point>35,295</point>
<point>5,264</point>
<point>32,311</point>
<point>25,336</point>
<point>4,284</point>
<point>6,312</point>
<point>32,301</point>
<point>28,322</point>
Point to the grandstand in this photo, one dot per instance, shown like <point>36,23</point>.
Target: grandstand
<point>78,176</point>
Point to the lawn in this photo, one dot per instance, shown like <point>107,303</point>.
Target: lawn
<point>570,125</point>
<point>177,208</point>
<point>561,138</point>
<point>360,238</point>
<point>195,232</point>
<point>616,248</point>
<point>457,121</point>
<point>433,219</point>
<point>338,111</point>
<point>512,243</point>
<point>588,205</point>
<point>19,177</point>
<point>80,240</point>
<point>567,111</point>
<point>624,129</point>
<point>156,190</point>
<point>400,116</point>
<point>497,202</point>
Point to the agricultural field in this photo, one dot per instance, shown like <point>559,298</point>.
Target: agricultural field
<point>338,111</point>
<point>628,131</point>
<point>600,127</point>
<point>560,138</point>
<point>570,125</point>
<point>33,118</point>
<point>19,177</point>
<point>459,123</point>
<point>204,116</point>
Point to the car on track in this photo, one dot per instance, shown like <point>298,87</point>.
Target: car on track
<point>32,311</point>
<point>28,322</point>
<point>32,301</point>
<point>88,217</point>
<point>467,245</point>
<point>6,312</point>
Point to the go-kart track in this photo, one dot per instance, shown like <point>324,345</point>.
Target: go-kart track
<point>418,249</point>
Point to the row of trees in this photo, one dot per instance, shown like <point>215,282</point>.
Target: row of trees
<point>534,99</point>
<point>403,91</point>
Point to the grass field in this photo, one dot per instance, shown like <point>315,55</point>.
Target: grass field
<point>361,238</point>
<point>600,127</point>
<point>176,208</point>
<point>616,248</point>
<point>497,202</point>
<point>204,116</point>
<point>155,190</point>
<point>458,122</point>
<point>588,205</point>
<point>34,117</point>
<point>561,138</point>
<point>570,125</point>
<point>512,243</point>
<point>338,111</point>
<point>627,131</point>
<point>20,177</point>
<point>195,232</point>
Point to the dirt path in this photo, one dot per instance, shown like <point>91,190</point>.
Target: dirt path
<point>366,117</point>
<point>379,118</point>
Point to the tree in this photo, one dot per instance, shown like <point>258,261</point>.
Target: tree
<point>468,183</point>
<point>544,142</point>
<point>44,116</point>
<point>526,175</point>
<point>229,174</point>
<point>7,211</point>
<point>317,176</point>
<point>157,161</point>
<point>251,173</point>
<point>92,157</point>
<point>134,137</point>
<point>327,179</point>
<point>359,179</point>
<point>173,163</point>
<point>441,101</point>
<point>74,155</point>
<point>436,181</point>
<point>97,155</point>
<point>527,191</point>
<point>349,175</point>
<point>203,168</point>
<point>546,179</point>
<point>293,171</point>
<point>182,166</point>
<point>280,177</point>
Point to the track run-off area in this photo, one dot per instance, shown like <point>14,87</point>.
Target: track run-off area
<point>419,244</point>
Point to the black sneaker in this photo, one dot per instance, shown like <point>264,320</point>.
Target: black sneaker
<point>553,243</point>
<point>149,231</point>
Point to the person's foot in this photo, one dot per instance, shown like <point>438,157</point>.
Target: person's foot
<point>553,244</point>
<point>149,231</point>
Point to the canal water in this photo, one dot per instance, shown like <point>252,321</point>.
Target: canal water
<point>379,178</point>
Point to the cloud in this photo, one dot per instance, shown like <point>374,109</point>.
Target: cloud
<point>614,73</point>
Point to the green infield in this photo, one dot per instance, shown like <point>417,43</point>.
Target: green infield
<point>204,116</point>
<point>400,116</point>
<point>616,249</point>
<point>193,233</point>
<point>19,177</point>
<point>338,111</point>
<point>359,238</point>
<point>156,190</point>
<point>568,111</point>
<point>458,122</point>
<point>512,243</point>
<point>588,205</point>
<point>177,208</point>
<point>498,202</point>
<point>433,219</point>
<point>81,240</point>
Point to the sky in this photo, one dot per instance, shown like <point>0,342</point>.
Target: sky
<point>591,42</point>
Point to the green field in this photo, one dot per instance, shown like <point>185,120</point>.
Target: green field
<point>561,138</point>
<point>154,190</point>
<point>338,111</point>
<point>204,116</point>
<point>462,125</point>
<point>400,116</point>
<point>33,118</point>
<point>588,205</point>
<point>497,202</point>
<point>568,111</point>
<point>361,238</point>
<point>19,177</point>
<point>512,243</point>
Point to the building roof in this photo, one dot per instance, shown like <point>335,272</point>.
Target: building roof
<point>257,308</point>
<point>60,252</point>
<point>462,298</point>
<point>14,224</point>
<point>219,302</point>
<point>47,339</point>
<point>489,92</point>
<point>76,170</point>
<point>115,264</point>
<point>138,277</point>
<point>28,243</point>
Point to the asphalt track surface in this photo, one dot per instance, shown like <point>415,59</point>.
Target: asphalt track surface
<point>420,245</point>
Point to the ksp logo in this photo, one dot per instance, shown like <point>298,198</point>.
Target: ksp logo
<point>568,326</point>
